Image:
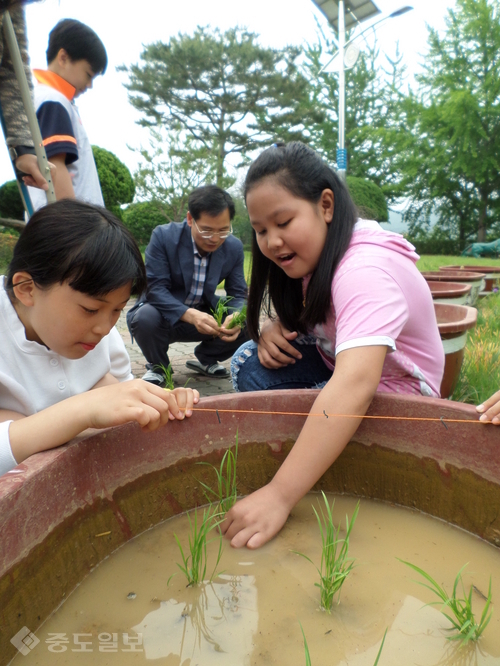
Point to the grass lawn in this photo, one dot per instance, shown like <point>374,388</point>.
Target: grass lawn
<point>429,262</point>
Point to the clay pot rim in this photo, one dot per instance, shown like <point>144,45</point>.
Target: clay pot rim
<point>467,320</point>
<point>470,267</point>
<point>449,276</point>
<point>450,289</point>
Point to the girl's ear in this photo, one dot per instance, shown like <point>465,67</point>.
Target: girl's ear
<point>327,205</point>
<point>23,287</point>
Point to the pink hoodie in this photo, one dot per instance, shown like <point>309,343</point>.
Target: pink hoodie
<point>380,298</point>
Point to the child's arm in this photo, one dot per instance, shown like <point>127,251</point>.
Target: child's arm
<point>103,407</point>
<point>258,517</point>
<point>63,185</point>
<point>490,409</point>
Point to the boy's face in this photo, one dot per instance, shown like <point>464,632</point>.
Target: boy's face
<point>78,73</point>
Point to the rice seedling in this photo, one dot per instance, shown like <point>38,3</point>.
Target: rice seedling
<point>380,649</point>
<point>221,310</point>
<point>226,492</point>
<point>167,373</point>
<point>460,612</point>
<point>335,565</point>
<point>194,560</point>
<point>306,647</point>
<point>239,318</point>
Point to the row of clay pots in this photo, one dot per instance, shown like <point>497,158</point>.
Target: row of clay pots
<point>476,281</point>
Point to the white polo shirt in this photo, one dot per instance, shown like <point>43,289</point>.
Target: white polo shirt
<point>63,132</point>
<point>33,377</point>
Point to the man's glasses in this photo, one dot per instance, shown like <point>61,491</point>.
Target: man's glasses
<point>211,234</point>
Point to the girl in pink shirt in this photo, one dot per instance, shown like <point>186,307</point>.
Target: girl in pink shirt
<point>322,275</point>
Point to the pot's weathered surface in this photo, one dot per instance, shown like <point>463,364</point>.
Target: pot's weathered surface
<point>63,511</point>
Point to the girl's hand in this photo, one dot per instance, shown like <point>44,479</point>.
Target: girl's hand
<point>257,518</point>
<point>139,401</point>
<point>274,340</point>
<point>490,409</point>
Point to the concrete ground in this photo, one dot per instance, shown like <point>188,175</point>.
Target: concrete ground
<point>179,353</point>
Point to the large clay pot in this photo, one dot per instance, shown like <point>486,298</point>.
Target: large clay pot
<point>476,281</point>
<point>63,511</point>
<point>450,293</point>
<point>453,322</point>
<point>492,274</point>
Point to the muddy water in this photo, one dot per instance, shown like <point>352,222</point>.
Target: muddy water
<point>126,611</point>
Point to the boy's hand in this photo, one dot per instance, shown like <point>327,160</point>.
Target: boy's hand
<point>185,398</point>
<point>490,409</point>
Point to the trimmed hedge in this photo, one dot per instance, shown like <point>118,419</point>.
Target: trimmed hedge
<point>436,245</point>
<point>141,218</point>
<point>369,199</point>
<point>7,244</point>
<point>11,204</point>
<point>117,184</point>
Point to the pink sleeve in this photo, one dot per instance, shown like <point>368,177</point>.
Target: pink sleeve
<point>370,308</point>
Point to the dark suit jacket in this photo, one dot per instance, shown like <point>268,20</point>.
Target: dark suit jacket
<point>170,266</point>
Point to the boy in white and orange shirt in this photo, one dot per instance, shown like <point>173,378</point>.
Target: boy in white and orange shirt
<point>75,56</point>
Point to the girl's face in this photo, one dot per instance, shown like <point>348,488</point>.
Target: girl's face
<point>66,321</point>
<point>290,231</point>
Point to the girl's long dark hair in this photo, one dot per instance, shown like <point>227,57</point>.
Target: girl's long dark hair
<point>84,245</point>
<point>301,171</point>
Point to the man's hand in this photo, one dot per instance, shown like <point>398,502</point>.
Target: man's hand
<point>203,322</point>
<point>274,348</point>
<point>229,334</point>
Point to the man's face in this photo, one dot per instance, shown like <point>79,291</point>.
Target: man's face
<point>208,225</point>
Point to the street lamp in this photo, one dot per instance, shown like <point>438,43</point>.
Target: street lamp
<point>357,11</point>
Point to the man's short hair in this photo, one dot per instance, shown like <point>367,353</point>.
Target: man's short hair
<point>210,199</point>
<point>80,42</point>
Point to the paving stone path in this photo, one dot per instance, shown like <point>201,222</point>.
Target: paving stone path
<point>179,353</point>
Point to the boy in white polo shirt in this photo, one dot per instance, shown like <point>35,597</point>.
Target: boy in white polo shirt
<point>75,56</point>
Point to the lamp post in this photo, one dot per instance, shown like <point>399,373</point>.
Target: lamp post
<point>358,11</point>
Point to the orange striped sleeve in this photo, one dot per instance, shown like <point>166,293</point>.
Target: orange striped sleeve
<point>59,138</point>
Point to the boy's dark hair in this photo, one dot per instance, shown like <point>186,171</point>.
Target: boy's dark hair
<point>80,42</point>
<point>210,199</point>
<point>84,245</point>
<point>301,171</point>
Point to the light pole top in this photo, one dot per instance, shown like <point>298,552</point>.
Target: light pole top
<point>356,11</point>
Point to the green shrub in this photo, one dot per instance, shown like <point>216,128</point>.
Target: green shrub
<point>241,223</point>
<point>436,245</point>
<point>141,218</point>
<point>117,184</point>
<point>11,204</point>
<point>369,199</point>
<point>7,243</point>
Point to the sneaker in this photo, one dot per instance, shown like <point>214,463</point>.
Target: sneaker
<point>154,378</point>
<point>215,370</point>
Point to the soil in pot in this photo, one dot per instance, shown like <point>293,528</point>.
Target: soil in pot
<point>126,611</point>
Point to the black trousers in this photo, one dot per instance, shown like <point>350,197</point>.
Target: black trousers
<point>154,335</point>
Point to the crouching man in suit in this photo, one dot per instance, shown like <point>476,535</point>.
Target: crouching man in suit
<point>184,263</point>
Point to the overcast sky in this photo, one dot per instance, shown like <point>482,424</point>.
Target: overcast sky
<point>125,26</point>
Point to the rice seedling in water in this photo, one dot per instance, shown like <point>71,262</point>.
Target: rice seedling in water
<point>226,492</point>
<point>335,565</point>
<point>460,612</point>
<point>194,560</point>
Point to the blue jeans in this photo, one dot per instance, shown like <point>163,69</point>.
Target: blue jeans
<point>248,374</point>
